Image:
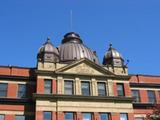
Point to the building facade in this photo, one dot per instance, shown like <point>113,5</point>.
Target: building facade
<point>69,83</point>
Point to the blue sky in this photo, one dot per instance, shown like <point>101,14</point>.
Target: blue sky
<point>132,26</point>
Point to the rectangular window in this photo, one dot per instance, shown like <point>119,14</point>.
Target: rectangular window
<point>151,96</point>
<point>101,89</point>
<point>104,116</point>
<point>85,87</point>
<point>68,87</point>
<point>69,116</point>
<point>139,118</point>
<point>136,95</point>
<point>123,116</point>
<point>19,117</point>
<point>21,91</point>
<point>120,89</point>
<point>86,116</point>
<point>3,89</point>
<point>47,86</point>
<point>1,117</point>
<point>47,115</point>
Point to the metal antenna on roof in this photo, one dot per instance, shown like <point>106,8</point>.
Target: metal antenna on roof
<point>71,20</point>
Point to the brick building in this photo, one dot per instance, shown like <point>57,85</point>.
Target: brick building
<point>69,83</point>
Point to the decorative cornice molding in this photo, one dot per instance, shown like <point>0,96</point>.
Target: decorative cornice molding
<point>143,105</point>
<point>16,101</point>
<point>52,73</point>
<point>145,85</point>
<point>14,78</point>
<point>83,98</point>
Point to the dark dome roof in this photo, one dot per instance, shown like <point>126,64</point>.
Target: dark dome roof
<point>72,37</point>
<point>111,54</point>
<point>72,48</point>
<point>48,52</point>
<point>48,47</point>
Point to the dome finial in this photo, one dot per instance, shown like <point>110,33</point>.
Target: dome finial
<point>110,45</point>
<point>48,40</point>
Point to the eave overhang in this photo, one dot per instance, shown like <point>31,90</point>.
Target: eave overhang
<point>144,85</point>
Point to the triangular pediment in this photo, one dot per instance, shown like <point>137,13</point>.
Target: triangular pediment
<point>84,67</point>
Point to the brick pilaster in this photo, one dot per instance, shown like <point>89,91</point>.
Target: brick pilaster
<point>39,115</point>
<point>54,86</point>
<point>115,88</point>
<point>54,116</point>
<point>60,116</point>
<point>143,96</point>
<point>115,116</point>
<point>9,117</point>
<point>127,89</point>
<point>130,116</point>
<point>12,90</point>
<point>40,85</point>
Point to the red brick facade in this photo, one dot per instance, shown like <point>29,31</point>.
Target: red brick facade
<point>14,76</point>
<point>12,90</point>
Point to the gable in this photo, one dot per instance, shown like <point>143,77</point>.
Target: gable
<point>85,67</point>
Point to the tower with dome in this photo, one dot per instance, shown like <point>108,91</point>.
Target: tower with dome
<point>70,83</point>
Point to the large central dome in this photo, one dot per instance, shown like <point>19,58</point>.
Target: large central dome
<point>72,49</point>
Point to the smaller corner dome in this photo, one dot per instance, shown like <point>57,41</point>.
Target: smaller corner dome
<point>72,37</point>
<point>48,53</point>
<point>113,57</point>
<point>112,53</point>
<point>48,47</point>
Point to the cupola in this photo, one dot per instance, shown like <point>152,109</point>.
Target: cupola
<point>48,53</point>
<point>113,58</point>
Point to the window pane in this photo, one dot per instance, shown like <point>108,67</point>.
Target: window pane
<point>1,117</point>
<point>120,90</point>
<point>68,87</point>
<point>85,88</point>
<point>151,96</point>
<point>47,115</point>
<point>3,89</point>
<point>104,116</point>
<point>138,118</point>
<point>123,116</point>
<point>135,95</point>
<point>86,116</point>
<point>21,91</point>
<point>69,116</point>
<point>19,117</point>
<point>47,86</point>
<point>101,89</point>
